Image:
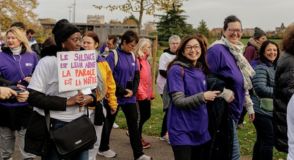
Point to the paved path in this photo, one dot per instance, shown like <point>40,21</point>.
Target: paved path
<point>119,142</point>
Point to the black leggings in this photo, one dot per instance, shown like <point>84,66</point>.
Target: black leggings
<point>107,127</point>
<point>144,113</point>
<point>187,152</point>
<point>131,114</point>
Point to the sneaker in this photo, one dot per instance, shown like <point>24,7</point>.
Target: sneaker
<point>162,138</point>
<point>115,125</point>
<point>145,144</point>
<point>144,157</point>
<point>127,133</point>
<point>108,154</point>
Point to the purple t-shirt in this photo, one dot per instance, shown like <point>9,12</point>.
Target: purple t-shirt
<point>123,72</point>
<point>222,63</point>
<point>187,126</point>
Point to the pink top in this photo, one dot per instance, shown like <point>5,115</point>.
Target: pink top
<point>145,89</point>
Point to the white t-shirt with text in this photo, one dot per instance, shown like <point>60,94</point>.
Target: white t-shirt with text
<point>45,80</point>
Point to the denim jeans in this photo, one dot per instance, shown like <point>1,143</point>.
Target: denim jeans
<point>236,147</point>
<point>52,152</point>
<point>263,147</point>
<point>7,143</point>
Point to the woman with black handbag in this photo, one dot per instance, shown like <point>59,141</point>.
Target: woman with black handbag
<point>64,107</point>
<point>263,85</point>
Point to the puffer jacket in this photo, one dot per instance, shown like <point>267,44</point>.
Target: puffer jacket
<point>263,84</point>
<point>283,90</point>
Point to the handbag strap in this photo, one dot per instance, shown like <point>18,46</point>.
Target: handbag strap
<point>47,117</point>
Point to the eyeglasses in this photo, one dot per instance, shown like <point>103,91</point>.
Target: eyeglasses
<point>189,48</point>
<point>235,30</point>
<point>174,43</point>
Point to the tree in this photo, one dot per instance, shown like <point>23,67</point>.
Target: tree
<point>20,10</point>
<point>173,22</point>
<point>142,7</point>
<point>203,29</point>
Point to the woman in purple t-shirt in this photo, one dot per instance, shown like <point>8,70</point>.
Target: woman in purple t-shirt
<point>187,117</point>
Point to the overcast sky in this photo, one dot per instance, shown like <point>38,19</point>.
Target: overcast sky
<point>266,14</point>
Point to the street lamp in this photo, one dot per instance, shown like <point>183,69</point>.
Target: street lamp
<point>74,11</point>
<point>69,15</point>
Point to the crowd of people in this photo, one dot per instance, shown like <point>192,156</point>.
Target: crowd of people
<point>209,89</point>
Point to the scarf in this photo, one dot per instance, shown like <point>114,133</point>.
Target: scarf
<point>237,52</point>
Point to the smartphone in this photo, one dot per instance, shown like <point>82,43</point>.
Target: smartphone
<point>129,85</point>
<point>24,83</point>
<point>18,91</point>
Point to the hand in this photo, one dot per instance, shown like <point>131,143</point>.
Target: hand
<point>210,95</point>
<point>228,95</point>
<point>77,99</point>
<point>20,86</point>
<point>22,96</point>
<point>87,100</point>
<point>112,112</point>
<point>129,93</point>
<point>251,117</point>
<point>28,79</point>
<point>6,93</point>
<point>230,99</point>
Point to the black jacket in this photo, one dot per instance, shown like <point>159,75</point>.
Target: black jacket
<point>220,124</point>
<point>283,90</point>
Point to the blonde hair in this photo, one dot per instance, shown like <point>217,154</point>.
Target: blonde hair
<point>21,36</point>
<point>140,45</point>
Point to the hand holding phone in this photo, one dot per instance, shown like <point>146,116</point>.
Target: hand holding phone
<point>22,95</point>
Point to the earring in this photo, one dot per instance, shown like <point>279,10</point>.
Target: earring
<point>62,45</point>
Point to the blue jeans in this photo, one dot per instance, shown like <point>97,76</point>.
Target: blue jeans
<point>52,152</point>
<point>236,147</point>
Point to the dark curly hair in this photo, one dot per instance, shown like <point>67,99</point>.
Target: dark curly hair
<point>262,57</point>
<point>288,40</point>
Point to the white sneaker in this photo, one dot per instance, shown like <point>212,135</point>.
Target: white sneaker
<point>115,125</point>
<point>144,157</point>
<point>108,154</point>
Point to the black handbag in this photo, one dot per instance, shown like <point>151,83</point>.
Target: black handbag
<point>74,137</point>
